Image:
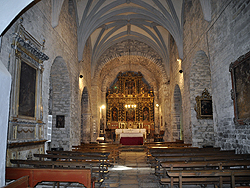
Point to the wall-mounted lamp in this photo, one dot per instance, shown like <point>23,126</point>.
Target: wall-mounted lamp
<point>180,71</point>
<point>103,106</point>
<point>81,76</point>
<point>179,60</point>
<point>157,105</point>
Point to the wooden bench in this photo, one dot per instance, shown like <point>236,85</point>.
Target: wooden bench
<point>82,176</point>
<point>89,153</point>
<point>22,182</point>
<point>158,143</point>
<point>157,155</point>
<point>204,165</point>
<point>197,159</point>
<point>205,157</point>
<point>209,176</point>
<point>103,147</point>
<point>99,162</point>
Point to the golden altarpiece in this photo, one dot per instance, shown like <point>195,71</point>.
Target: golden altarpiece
<point>130,103</point>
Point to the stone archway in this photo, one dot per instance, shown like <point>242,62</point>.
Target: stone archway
<point>200,78</point>
<point>177,126</point>
<point>60,104</point>
<point>85,117</point>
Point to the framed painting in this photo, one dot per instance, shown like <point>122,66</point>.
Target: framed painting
<point>60,121</point>
<point>240,93</point>
<point>27,93</point>
<point>204,106</point>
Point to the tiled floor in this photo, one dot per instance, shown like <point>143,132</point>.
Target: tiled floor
<point>131,171</point>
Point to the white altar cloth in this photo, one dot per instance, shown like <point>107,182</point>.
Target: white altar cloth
<point>119,131</point>
<point>131,135</point>
<point>131,132</point>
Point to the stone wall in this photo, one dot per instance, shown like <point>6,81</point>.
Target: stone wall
<point>200,79</point>
<point>60,41</point>
<point>59,79</point>
<point>223,40</point>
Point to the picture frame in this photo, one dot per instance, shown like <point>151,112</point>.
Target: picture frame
<point>60,121</point>
<point>240,76</point>
<point>27,90</point>
<point>204,106</point>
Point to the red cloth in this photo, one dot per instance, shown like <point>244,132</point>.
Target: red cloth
<point>131,140</point>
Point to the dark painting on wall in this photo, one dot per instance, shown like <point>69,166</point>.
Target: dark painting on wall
<point>27,92</point>
<point>240,74</point>
<point>204,106</point>
<point>60,121</point>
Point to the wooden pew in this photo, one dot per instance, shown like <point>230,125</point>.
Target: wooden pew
<point>180,149</point>
<point>103,147</point>
<point>89,161</point>
<point>198,176</point>
<point>53,164</point>
<point>156,153</point>
<point>196,158</point>
<point>82,176</point>
<point>197,153</point>
<point>205,157</point>
<point>22,182</point>
<point>90,153</point>
<point>158,143</point>
<point>198,165</point>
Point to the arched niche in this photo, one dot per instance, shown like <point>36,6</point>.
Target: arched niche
<point>200,78</point>
<point>176,114</point>
<point>85,116</point>
<point>60,104</point>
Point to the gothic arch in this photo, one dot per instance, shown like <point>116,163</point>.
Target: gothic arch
<point>85,116</point>
<point>60,97</point>
<point>200,78</point>
<point>176,113</point>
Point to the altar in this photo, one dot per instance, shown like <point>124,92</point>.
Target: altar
<point>131,136</point>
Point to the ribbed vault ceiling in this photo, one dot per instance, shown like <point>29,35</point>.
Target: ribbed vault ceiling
<point>107,22</point>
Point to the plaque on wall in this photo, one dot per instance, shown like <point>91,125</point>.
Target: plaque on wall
<point>240,93</point>
<point>60,121</point>
<point>204,107</point>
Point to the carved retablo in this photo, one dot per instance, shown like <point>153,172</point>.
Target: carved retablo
<point>130,103</point>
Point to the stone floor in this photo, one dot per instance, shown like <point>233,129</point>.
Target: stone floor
<point>131,171</point>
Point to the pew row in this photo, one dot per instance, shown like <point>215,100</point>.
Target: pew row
<point>99,147</point>
<point>205,165</point>
<point>82,176</point>
<point>208,177</point>
<point>97,163</point>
